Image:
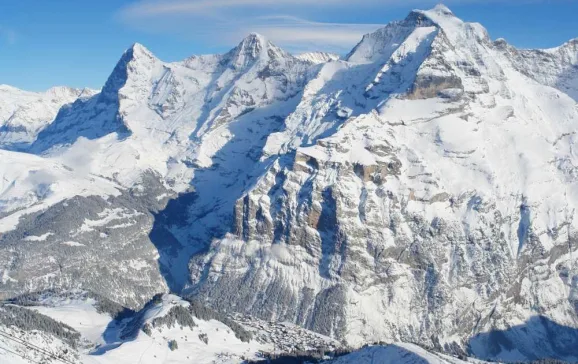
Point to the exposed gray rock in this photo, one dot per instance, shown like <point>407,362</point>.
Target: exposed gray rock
<point>90,243</point>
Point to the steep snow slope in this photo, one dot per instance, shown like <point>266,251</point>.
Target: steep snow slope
<point>29,183</point>
<point>24,114</point>
<point>28,337</point>
<point>153,129</point>
<point>142,337</point>
<point>172,103</point>
<point>56,217</point>
<point>167,330</point>
<point>556,67</point>
<point>431,194</point>
<point>398,353</point>
<point>78,327</point>
<point>148,336</point>
<point>421,189</point>
<point>318,57</point>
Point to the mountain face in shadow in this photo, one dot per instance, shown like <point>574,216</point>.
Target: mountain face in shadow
<point>537,339</point>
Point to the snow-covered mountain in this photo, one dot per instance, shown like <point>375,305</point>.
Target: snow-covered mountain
<point>24,114</point>
<point>109,165</point>
<point>421,189</point>
<point>81,327</point>
<point>426,190</point>
<point>319,57</point>
<point>91,329</point>
<point>399,353</point>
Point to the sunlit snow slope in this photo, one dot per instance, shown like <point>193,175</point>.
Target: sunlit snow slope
<point>24,114</point>
<point>422,188</point>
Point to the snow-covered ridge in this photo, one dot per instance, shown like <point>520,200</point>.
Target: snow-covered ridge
<point>24,114</point>
<point>153,124</point>
<point>556,67</point>
<point>407,159</point>
<point>318,57</point>
<point>422,189</point>
<point>399,353</point>
<point>81,327</point>
<point>91,329</point>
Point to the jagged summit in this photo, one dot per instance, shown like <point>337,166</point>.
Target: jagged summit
<point>572,43</point>
<point>136,51</point>
<point>255,37</point>
<point>381,44</point>
<point>252,48</point>
<point>455,29</point>
<point>318,57</point>
<point>441,8</point>
<point>24,114</point>
<point>440,14</point>
<point>420,190</point>
<point>437,12</point>
<point>54,90</point>
<point>252,45</point>
<point>137,60</point>
<point>58,92</point>
<point>139,50</point>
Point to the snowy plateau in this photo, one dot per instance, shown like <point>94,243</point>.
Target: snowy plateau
<point>413,201</point>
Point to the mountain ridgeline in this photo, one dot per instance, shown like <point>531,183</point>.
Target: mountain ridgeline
<point>421,189</point>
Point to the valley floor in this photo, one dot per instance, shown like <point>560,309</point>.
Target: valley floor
<point>76,328</point>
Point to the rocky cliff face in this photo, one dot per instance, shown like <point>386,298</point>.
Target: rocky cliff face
<point>414,203</point>
<point>420,189</point>
<point>90,208</point>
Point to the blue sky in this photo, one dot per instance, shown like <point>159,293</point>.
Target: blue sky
<point>68,42</point>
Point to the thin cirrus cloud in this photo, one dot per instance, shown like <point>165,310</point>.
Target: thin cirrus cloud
<point>220,23</point>
<point>156,7</point>
<point>224,22</point>
<point>296,34</point>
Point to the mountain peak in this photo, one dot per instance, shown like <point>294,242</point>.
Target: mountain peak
<point>133,61</point>
<point>442,9</point>
<point>138,50</point>
<point>440,15</point>
<point>252,48</point>
<point>255,37</point>
<point>455,29</point>
<point>318,57</point>
<point>62,92</point>
<point>253,44</point>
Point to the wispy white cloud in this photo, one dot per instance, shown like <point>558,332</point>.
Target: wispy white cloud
<point>7,35</point>
<point>224,22</point>
<point>153,8</point>
<point>150,8</point>
<point>298,34</point>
